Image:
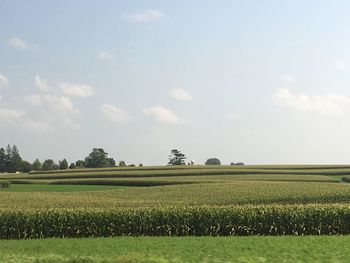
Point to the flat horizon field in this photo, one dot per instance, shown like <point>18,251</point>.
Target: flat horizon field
<point>158,201</point>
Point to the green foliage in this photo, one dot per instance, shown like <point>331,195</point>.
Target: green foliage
<point>3,167</point>
<point>63,164</point>
<point>72,166</point>
<point>5,184</point>
<point>79,164</point>
<point>26,167</point>
<point>37,165</point>
<point>176,157</point>
<point>98,158</point>
<point>213,161</point>
<point>10,160</point>
<point>49,164</point>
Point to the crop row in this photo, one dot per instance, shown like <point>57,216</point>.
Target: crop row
<point>214,221</point>
<point>199,167</point>
<point>167,173</point>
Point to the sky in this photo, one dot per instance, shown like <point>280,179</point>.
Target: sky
<point>259,82</point>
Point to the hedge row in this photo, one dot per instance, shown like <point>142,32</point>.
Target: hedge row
<point>210,221</point>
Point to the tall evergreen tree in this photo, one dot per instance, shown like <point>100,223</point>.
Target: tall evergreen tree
<point>63,164</point>
<point>176,157</point>
<point>16,159</point>
<point>2,160</point>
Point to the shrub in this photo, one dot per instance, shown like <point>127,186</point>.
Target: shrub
<point>5,184</point>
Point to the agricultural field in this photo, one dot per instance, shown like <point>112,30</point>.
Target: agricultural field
<point>195,201</point>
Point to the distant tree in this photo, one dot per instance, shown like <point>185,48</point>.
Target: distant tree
<point>72,166</point>
<point>49,164</point>
<point>98,158</point>
<point>140,165</point>
<point>26,167</point>
<point>111,162</point>
<point>176,157</point>
<point>131,165</point>
<point>16,159</point>
<point>12,159</point>
<point>56,166</point>
<point>37,165</point>
<point>122,164</point>
<point>79,164</point>
<point>2,160</point>
<point>213,161</point>
<point>8,160</point>
<point>239,163</point>
<point>63,164</point>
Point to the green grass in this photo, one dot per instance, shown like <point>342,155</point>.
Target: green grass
<point>184,249</point>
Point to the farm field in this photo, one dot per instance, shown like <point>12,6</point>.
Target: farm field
<point>184,249</point>
<point>189,201</point>
<point>139,187</point>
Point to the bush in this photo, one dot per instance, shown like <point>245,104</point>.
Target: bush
<point>213,161</point>
<point>5,184</point>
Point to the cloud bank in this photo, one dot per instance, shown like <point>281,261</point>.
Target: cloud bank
<point>329,103</point>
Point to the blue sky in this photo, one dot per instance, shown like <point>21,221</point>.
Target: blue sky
<point>252,81</point>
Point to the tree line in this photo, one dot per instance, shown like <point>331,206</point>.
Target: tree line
<point>11,161</point>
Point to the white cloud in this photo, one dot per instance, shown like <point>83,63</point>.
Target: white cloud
<point>329,103</point>
<point>4,82</point>
<point>287,78</point>
<point>341,65</point>
<point>163,115</point>
<point>57,104</point>
<point>77,90</point>
<point>105,56</point>
<point>145,16</point>
<point>114,114</point>
<point>34,100</point>
<point>42,84</point>
<point>17,43</point>
<point>11,115</point>
<point>180,94</point>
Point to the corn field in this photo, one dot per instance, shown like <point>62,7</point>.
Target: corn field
<point>205,221</point>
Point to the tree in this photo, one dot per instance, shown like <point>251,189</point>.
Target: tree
<point>176,157</point>
<point>26,167</point>
<point>72,166</point>
<point>49,164</point>
<point>8,160</point>
<point>79,164</point>
<point>16,159</point>
<point>111,162</point>
<point>2,160</point>
<point>97,159</point>
<point>213,161</point>
<point>37,165</point>
<point>63,164</point>
<point>122,164</point>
